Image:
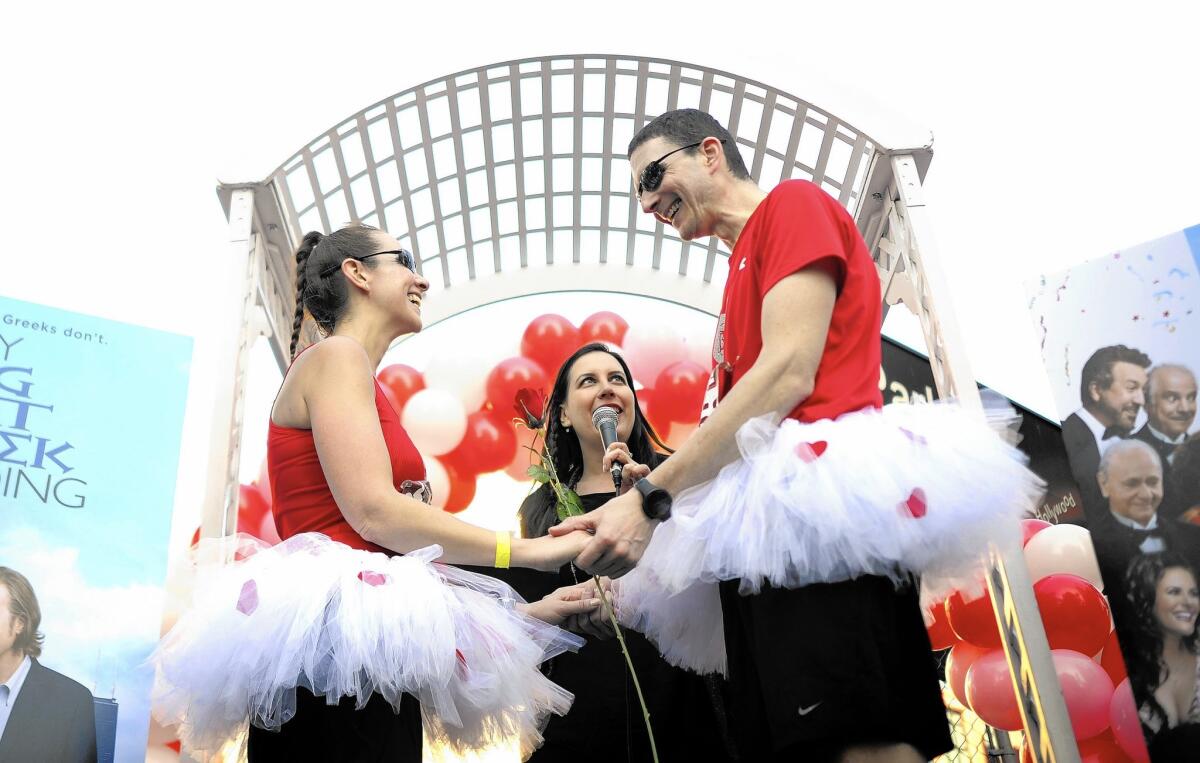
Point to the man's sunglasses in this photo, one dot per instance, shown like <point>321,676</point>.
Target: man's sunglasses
<point>652,174</point>
<point>403,256</point>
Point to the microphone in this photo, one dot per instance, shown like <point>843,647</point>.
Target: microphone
<point>604,419</point>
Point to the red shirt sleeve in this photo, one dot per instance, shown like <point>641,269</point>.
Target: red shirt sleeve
<point>802,228</point>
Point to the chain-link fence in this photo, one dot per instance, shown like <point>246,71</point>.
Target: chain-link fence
<point>974,740</point>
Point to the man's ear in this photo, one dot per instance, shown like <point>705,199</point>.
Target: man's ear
<point>1094,391</point>
<point>713,152</point>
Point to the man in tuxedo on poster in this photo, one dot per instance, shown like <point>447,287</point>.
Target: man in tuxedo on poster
<point>1170,412</point>
<point>44,715</point>
<point>1110,391</point>
<point>1131,481</point>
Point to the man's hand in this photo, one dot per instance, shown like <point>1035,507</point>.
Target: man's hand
<point>621,532</point>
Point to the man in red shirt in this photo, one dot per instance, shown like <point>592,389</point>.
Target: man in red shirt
<point>830,671</point>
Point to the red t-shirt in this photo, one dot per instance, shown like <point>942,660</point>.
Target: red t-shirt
<point>795,226</point>
<point>301,496</point>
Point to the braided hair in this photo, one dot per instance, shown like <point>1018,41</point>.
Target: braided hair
<point>538,511</point>
<point>321,289</point>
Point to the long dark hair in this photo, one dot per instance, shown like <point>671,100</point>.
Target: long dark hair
<point>320,287</point>
<point>1144,654</point>
<point>537,512</point>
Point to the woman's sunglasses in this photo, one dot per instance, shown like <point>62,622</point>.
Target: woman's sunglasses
<point>403,256</point>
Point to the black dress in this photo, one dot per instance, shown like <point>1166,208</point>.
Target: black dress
<point>605,722</point>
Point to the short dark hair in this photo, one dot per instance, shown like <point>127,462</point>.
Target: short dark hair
<point>686,126</point>
<point>23,604</point>
<point>1099,367</point>
<point>320,289</point>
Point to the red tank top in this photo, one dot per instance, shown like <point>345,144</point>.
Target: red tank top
<point>302,499</point>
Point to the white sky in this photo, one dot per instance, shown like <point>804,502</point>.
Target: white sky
<point>1063,131</point>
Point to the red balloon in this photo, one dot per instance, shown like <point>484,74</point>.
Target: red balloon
<point>603,327</point>
<point>990,692</point>
<point>941,635</point>
<point>1087,690</point>
<point>1112,661</point>
<point>489,444</point>
<point>267,532</point>
<point>402,382</point>
<point>508,378</point>
<point>962,656</point>
<point>1102,749</point>
<point>1074,612</point>
<point>548,341</point>
<point>679,391</point>
<point>974,620</point>
<point>518,468</point>
<point>251,508</point>
<point>1030,528</point>
<point>648,401</point>
<point>1126,726</point>
<point>462,488</point>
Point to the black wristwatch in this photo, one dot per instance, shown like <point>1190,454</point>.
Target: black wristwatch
<point>656,502</point>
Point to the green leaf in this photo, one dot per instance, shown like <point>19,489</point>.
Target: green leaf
<point>573,506</point>
<point>538,473</point>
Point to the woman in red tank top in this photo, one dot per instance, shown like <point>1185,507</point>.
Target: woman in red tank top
<point>327,641</point>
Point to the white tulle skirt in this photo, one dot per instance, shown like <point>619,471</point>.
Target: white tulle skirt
<point>341,622</point>
<point>906,491</point>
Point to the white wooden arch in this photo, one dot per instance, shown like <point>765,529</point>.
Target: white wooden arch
<point>511,179</point>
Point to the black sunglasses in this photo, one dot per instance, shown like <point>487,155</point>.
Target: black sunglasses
<point>403,256</point>
<point>652,174</point>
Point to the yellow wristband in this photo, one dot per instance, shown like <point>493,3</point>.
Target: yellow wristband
<point>503,550</point>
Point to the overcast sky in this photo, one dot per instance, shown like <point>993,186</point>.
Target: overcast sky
<point>1062,131</point>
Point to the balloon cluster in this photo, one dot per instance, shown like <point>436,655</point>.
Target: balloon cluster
<point>1083,646</point>
<point>460,414</point>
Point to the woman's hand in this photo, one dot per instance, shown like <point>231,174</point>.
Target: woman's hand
<point>565,603</point>
<point>631,471</point>
<point>595,623</point>
<point>548,553</point>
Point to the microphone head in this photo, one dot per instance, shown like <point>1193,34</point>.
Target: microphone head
<point>605,414</point>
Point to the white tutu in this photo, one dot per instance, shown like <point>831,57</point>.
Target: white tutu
<point>341,622</point>
<point>909,490</point>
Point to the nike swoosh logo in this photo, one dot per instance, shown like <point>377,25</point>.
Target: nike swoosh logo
<point>809,709</point>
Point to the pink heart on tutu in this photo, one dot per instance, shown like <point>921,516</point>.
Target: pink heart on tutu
<point>374,578</point>
<point>918,439</point>
<point>248,598</point>
<point>915,505</point>
<point>811,451</point>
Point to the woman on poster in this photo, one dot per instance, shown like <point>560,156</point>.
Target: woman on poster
<point>335,643</point>
<point>1161,649</point>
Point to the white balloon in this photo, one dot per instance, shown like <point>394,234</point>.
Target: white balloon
<point>465,373</point>
<point>1063,548</point>
<point>651,348</point>
<point>439,481</point>
<point>435,420</point>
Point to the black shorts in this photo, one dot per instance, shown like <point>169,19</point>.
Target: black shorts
<point>816,669</point>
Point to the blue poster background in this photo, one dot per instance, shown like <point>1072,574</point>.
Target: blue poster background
<point>91,415</point>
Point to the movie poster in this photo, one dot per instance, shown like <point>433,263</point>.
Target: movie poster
<point>1120,338</point>
<point>91,413</point>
